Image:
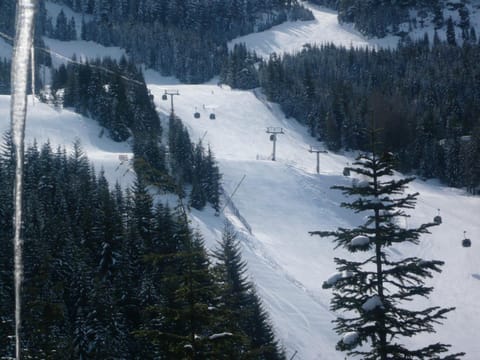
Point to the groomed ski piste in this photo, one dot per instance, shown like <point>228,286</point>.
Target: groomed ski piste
<point>278,202</point>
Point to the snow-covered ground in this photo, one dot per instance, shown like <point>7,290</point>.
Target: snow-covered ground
<point>5,50</point>
<point>278,202</point>
<point>83,50</point>
<point>63,127</point>
<point>292,36</point>
<point>281,201</point>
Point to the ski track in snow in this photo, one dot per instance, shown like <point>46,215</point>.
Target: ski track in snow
<point>281,201</point>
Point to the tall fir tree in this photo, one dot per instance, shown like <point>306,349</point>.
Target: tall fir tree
<point>372,291</point>
<point>241,307</point>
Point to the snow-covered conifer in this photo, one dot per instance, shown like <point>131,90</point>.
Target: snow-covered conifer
<point>376,290</point>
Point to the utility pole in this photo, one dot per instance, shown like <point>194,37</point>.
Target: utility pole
<point>171,93</point>
<point>314,149</point>
<point>274,131</point>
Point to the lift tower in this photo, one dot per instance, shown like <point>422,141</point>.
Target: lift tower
<point>170,93</point>
<point>317,150</point>
<point>274,131</point>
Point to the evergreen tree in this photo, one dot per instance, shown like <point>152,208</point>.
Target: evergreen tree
<point>373,290</point>
<point>242,311</point>
<point>61,27</point>
<point>451,37</point>
<point>213,178</point>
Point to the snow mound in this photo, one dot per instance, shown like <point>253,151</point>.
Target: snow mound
<point>372,303</point>
<point>360,241</point>
<point>350,338</point>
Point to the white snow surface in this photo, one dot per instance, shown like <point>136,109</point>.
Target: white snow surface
<point>5,50</point>
<point>63,127</point>
<point>279,202</point>
<point>63,51</point>
<point>291,36</point>
<point>282,201</point>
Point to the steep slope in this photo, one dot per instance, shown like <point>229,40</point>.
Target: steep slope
<point>281,201</point>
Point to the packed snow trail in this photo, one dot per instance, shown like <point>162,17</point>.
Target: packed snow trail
<point>282,201</point>
<point>21,55</point>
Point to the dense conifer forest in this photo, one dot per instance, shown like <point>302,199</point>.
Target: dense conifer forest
<point>186,39</point>
<point>108,275</point>
<point>423,97</point>
<point>382,17</point>
<point>116,96</point>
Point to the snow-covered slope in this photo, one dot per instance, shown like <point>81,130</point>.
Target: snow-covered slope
<point>292,36</point>
<point>281,201</point>
<point>325,29</point>
<point>277,203</point>
<point>63,127</point>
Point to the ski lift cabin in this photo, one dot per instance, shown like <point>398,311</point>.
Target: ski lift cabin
<point>164,97</point>
<point>346,171</point>
<point>466,242</point>
<point>437,219</point>
<point>212,116</point>
<point>196,115</point>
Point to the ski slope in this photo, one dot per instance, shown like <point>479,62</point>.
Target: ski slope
<point>291,36</point>
<point>278,203</point>
<point>282,201</point>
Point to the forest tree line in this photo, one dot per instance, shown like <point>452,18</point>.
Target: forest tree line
<point>423,96</point>
<point>108,275</point>
<point>186,39</point>
<point>115,95</point>
<point>382,17</point>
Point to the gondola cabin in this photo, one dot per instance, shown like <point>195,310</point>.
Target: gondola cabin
<point>466,242</point>
<point>346,171</point>
<point>437,219</point>
<point>196,115</point>
<point>212,116</point>
<point>164,97</point>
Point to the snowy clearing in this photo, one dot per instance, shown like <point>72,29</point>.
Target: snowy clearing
<point>62,128</point>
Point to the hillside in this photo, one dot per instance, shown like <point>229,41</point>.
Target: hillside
<point>281,201</point>
<point>277,203</point>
